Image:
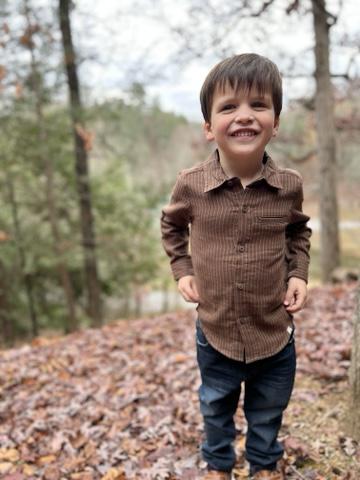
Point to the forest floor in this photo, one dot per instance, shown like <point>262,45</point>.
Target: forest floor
<point>120,402</point>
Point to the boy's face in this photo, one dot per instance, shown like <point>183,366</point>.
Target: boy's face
<point>241,124</point>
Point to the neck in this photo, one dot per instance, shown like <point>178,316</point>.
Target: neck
<point>249,171</point>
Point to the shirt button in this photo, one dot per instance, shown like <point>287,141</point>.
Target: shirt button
<point>245,208</point>
<point>240,286</point>
<point>242,248</point>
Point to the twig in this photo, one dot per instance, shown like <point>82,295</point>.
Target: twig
<point>327,415</point>
<point>297,472</point>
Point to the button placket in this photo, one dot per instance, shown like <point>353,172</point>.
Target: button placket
<point>245,209</point>
<point>240,247</point>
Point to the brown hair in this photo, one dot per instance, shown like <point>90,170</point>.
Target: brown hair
<point>242,71</point>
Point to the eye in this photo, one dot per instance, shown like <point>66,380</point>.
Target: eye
<point>259,105</point>
<point>228,106</point>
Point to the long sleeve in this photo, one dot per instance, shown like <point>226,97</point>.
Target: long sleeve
<point>297,239</point>
<point>175,219</point>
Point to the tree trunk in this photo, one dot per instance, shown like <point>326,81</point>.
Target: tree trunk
<point>7,333</point>
<point>324,105</point>
<point>28,281</point>
<point>354,410</point>
<point>70,321</point>
<point>81,168</point>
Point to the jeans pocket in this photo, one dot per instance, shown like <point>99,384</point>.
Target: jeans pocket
<point>292,336</point>
<point>200,336</point>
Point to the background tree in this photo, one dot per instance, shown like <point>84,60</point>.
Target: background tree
<point>354,409</point>
<point>81,138</point>
<point>324,102</point>
<point>134,140</point>
<point>36,83</point>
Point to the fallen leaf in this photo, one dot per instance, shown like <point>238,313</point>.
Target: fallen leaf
<point>10,454</point>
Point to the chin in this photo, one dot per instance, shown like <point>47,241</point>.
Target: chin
<point>246,152</point>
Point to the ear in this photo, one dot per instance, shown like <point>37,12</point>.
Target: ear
<point>208,132</point>
<point>276,126</point>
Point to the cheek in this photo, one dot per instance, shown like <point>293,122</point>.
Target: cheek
<point>222,126</point>
<point>269,125</point>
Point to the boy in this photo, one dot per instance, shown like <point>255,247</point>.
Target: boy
<point>248,265</point>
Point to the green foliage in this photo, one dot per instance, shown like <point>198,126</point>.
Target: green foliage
<point>130,137</point>
<point>126,236</point>
<point>144,135</point>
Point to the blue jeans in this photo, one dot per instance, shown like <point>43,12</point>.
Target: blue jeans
<point>268,386</point>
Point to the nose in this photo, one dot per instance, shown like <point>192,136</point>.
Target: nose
<point>244,115</point>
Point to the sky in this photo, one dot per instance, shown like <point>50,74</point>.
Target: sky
<point>136,43</point>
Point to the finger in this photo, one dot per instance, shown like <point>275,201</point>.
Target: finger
<point>194,297</point>
<point>195,293</point>
<point>289,297</point>
<point>294,299</point>
<point>293,309</point>
<point>184,294</point>
<point>188,295</point>
<point>295,306</point>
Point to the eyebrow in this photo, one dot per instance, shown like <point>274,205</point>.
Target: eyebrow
<point>258,96</point>
<point>234,98</point>
<point>227,99</point>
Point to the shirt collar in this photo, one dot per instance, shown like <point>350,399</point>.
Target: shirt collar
<point>215,175</point>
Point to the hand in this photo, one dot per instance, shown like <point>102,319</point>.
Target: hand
<point>295,295</point>
<point>187,288</point>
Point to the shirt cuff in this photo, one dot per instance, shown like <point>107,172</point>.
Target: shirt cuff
<point>182,267</point>
<point>299,273</point>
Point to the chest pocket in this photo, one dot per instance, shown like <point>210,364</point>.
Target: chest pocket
<point>272,221</point>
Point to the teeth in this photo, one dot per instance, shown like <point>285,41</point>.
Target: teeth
<point>244,134</point>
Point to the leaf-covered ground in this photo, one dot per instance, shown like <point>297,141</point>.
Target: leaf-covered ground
<point>121,402</point>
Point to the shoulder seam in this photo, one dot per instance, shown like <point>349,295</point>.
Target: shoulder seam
<point>292,172</point>
<point>189,171</point>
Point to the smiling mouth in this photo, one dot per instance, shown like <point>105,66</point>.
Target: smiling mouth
<point>244,133</point>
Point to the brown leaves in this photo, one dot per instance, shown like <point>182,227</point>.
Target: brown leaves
<point>295,445</point>
<point>86,136</point>
<point>26,39</point>
<point>4,237</point>
<point>9,454</point>
<point>114,474</point>
<point>112,406</point>
<point>121,402</point>
<point>324,332</point>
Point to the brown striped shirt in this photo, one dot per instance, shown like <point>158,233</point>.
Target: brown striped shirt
<point>245,243</point>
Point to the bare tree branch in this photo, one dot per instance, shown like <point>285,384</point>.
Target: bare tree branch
<point>294,6</point>
<point>331,18</point>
